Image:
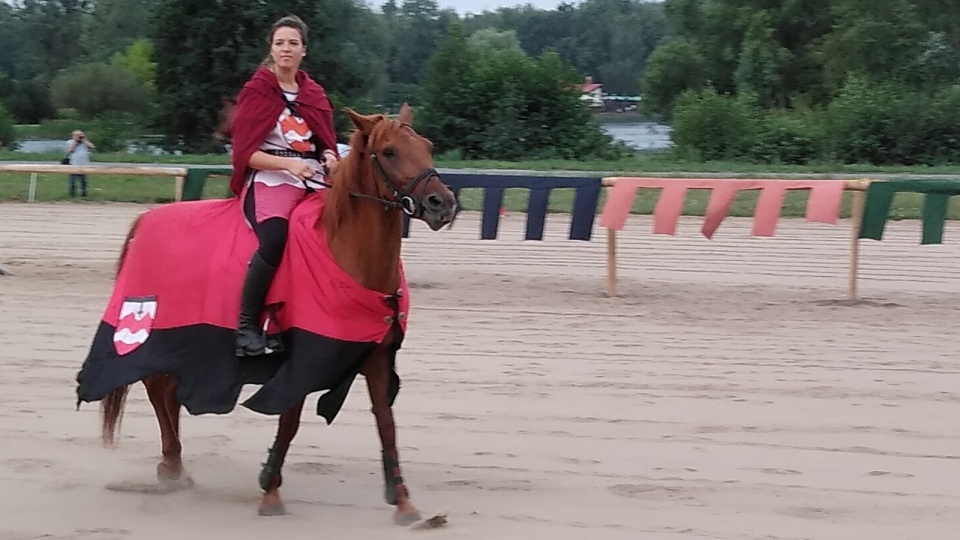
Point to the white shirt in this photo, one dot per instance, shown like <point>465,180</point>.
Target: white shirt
<point>290,133</point>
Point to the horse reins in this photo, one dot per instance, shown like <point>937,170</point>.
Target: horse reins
<point>404,200</point>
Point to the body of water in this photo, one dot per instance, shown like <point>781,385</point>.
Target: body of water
<point>638,135</point>
<point>641,135</point>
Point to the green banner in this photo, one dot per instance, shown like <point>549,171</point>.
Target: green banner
<point>880,197</point>
<point>196,179</point>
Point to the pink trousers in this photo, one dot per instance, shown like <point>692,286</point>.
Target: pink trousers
<point>273,201</point>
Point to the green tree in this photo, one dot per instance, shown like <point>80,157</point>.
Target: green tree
<point>676,66</point>
<point>9,44</point>
<point>205,51</point>
<point>937,64</point>
<point>138,59</point>
<point>29,101</point>
<point>878,39</point>
<point>53,29</point>
<point>93,89</point>
<point>416,26</point>
<point>446,89</point>
<point>761,68</point>
<point>501,104</point>
<point>115,26</point>
<point>8,136</point>
<point>492,40</point>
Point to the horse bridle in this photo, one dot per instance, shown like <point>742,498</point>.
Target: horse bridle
<point>405,200</point>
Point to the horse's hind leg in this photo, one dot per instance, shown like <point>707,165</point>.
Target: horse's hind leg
<point>270,475</point>
<point>162,391</point>
<point>376,370</point>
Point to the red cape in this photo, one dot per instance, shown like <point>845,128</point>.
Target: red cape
<point>192,258</point>
<point>258,107</point>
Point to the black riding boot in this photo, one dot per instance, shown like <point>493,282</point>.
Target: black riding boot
<point>251,339</point>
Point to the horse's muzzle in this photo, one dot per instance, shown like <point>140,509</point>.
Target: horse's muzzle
<point>439,209</point>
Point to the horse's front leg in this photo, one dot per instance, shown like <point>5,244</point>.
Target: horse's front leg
<point>270,475</point>
<point>376,371</point>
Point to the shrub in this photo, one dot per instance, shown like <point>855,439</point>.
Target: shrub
<point>791,139</point>
<point>717,127</point>
<point>498,103</point>
<point>8,136</point>
<point>93,89</point>
<point>865,122</point>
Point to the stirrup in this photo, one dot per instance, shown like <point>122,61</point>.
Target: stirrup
<point>261,337</point>
<point>273,343</point>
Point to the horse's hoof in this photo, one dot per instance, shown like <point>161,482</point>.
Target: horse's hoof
<point>405,520</point>
<point>175,484</point>
<point>172,478</point>
<point>435,522</point>
<point>270,511</point>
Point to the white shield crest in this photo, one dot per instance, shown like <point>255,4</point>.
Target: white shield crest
<point>134,324</point>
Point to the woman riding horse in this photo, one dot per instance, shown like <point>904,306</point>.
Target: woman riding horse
<point>340,296</point>
<point>282,129</point>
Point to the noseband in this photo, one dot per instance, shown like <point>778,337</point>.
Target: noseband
<point>404,200</point>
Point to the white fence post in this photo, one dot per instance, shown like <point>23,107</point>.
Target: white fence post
<point>32,195</point>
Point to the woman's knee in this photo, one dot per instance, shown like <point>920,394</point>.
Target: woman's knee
<point>272,234</point>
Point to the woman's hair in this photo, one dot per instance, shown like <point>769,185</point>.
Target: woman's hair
<point>287,21</point>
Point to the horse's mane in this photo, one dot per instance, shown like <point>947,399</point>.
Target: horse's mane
<point>350,175</point>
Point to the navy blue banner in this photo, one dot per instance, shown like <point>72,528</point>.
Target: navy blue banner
<point>582,215</point>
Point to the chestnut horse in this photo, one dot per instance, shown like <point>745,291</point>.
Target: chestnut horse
<point>389,171</point>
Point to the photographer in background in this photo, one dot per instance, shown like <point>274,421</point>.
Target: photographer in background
<point>78,153</point>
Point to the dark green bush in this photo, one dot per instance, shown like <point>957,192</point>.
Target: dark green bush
<point>791,139</point>
<point>93,89</point>
<point>717,127</point>
<point>865,122</point>
<point>8,136</point>
<point>492,103</point>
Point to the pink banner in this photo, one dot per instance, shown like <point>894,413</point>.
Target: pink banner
<point>721,199</point>
<point>668,210</point>
<point>823,204</point>
<point>767,211</point>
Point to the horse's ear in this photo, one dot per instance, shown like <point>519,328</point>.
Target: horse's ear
<point>363,123</point>
<point>406,114</point>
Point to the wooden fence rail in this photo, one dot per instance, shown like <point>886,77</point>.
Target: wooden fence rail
<point>858,187</point>
<point>178,173</point>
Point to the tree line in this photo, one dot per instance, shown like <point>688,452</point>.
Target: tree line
<point>810,80</point>
<point>166,66</point>
<point>794,81</point>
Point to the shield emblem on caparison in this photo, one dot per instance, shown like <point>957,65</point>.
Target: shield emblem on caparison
<point>134,324</point>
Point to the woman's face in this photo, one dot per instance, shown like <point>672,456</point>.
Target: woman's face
<point>287,48</point>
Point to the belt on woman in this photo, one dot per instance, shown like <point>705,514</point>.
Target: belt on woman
<point>294,153</point>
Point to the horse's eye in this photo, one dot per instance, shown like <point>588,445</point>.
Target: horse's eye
<point>388,152</point>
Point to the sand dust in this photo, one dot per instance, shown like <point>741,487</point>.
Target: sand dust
<point>726,394</point>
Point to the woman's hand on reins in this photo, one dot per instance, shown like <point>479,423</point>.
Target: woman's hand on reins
<point>330,160</point>
<point>300,168</point>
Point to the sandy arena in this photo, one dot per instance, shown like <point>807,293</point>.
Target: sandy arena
<point>727,393</point>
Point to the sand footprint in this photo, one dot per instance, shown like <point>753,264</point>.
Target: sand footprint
<point>28,465</point>
<point>492,485</point>
<point>890,474</point>
<point>772,470</point>
<point>311,467</point>
<point>688,496</point>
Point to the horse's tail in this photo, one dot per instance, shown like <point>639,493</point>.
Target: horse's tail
<point>111,412</point>
<point>126,242</point>
<point>111,407</point>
